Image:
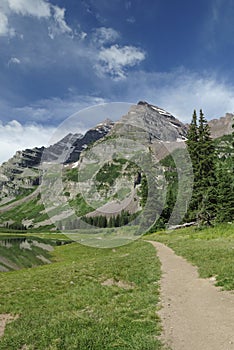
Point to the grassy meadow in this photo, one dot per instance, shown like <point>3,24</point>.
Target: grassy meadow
<point>104,299</point>
<point>210,249</point>
<point>87,299</point>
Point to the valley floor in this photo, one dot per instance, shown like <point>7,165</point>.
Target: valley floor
<point>104,299</point>
<point>87,299</point>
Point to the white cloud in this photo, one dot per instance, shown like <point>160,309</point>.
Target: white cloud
<point>3,24</point>
<point>15,136</point>
<point>54,15</point>
<point>105,35</point>
<point>82,35</point>
<point>115,59</point>
<point>181,91</point>
<point>194,92</point>
<point>55,110</point>
<point>37,8</point>
<point>59,26</point>
<point>14,60</point>
<point>5,30</point>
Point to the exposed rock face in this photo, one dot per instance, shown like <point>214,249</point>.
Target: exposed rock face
<point>61,149</point>
<point>90,137</point>
<point>28,158</point>
<point>14,180</point>
<point>20,173</point>
<point>150,123</point>
<point>144,122</point>
<point>222,126</point>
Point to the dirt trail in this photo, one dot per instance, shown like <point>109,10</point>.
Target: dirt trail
<point>195,314</point>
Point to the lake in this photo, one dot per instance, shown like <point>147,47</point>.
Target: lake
<point>25,252</point>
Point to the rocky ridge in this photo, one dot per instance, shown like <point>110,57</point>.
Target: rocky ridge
<point>146,123</point>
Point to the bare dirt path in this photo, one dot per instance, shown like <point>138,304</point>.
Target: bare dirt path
<point>195,314</point>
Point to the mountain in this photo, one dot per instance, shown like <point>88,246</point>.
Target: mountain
<point>59,151</point>
<point>92,135</point>
<point>144,123</point>
<point>221,126</point>
<point>152,123</point>
<point>14,183</point>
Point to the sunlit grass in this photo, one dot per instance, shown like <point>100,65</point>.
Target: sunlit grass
<point>211,249</point>
<point>65,305</point>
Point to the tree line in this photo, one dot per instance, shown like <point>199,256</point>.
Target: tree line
<point>100,221</point>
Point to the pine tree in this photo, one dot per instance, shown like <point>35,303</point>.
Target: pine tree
<point>206,170</point>
<point>202,152</point>
<point>192,143</point>
<point>143,192</point>
<point>233,134</point>
<point>225,208</point>
<point>206,153</point>
<point>193,130</point>
<point>110,222</point>
<point>117,221</point>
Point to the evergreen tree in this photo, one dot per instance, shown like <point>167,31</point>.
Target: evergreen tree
<point>233,134</point>
<point>206,154</point>
<point>206,173</point>
<point>143,192</point>
<point>110,222</point>
<point>225,208</point>
<point>202,152</point>
<point>117,221</point>
<point>192,143</point>
<point>193,132</point>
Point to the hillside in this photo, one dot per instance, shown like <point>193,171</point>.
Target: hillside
<point>109,187</point>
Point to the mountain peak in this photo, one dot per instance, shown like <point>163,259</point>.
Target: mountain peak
<point>156,108</point>
<point>155,122</point>
<point>107,121</point>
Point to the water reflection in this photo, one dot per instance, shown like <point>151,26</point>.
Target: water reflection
<point>20,252</point>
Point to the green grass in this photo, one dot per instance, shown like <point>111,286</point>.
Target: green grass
<point>104,237</point>
<point>211,249</point>
<point>65,306</point>
<point>108,174</point>
<point>80,206</point>
<point>44,235</point>
<point>23,193</point>
<point>70,175</point>
<point>28,210</point>
<point>58,236</point>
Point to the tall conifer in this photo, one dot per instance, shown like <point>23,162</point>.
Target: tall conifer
<point>202,153</point>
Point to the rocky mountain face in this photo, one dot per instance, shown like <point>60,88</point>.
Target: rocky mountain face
<point>60,150</point>
<point>221,126</point>
<point>20,174</point>
<point>92,135</point>
<point>145,123</point>
<point>14,181</point>
<point>150,123</point>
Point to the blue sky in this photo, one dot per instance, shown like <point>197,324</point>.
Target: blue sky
<point>57,57</point>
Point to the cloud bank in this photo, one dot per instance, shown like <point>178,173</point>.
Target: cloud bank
<point>14,137</point>
<point>39,9</point>
<point>181,91</point>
